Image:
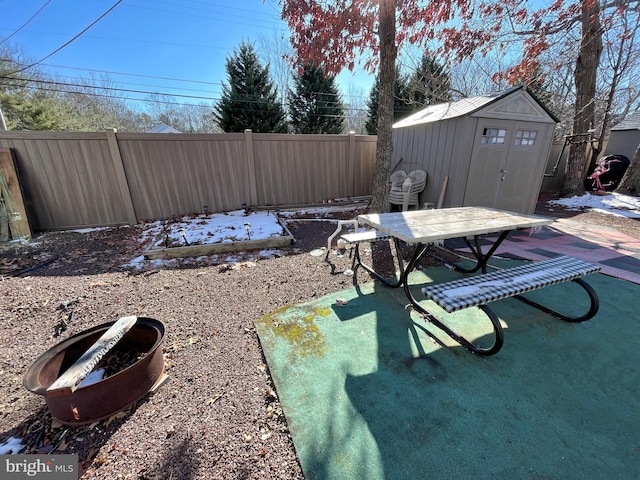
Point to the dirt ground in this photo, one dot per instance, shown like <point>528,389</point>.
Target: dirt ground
<point>218,416</point>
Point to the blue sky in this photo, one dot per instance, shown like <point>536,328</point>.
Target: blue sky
<point>152,41</point>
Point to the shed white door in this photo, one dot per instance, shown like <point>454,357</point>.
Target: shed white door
<point>505,165</point>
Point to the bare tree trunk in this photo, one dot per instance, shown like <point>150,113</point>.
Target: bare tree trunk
<point>620,63</point>
<point>630,183</point>
<point>585,76</point>
<point>384,148</point>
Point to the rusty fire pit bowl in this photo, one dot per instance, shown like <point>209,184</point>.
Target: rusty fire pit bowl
<point>111,394</point>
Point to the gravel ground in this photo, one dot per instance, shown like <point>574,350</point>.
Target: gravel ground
<point>218,416</point>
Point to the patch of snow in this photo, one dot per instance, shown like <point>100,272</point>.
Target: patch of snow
<point>213,228</point>
<point>612,204</point>
<point>201,229</point>
<point>89,230</point>
<point>320,210</point>
<point>13,445</point>
<point>137,263</point>
<point>271,253</point>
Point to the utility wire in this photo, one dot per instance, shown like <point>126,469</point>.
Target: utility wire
<point>8,81</point>
<point>27,22</point>
<point>329,98</point>
<point>3,82</point>
<point>173,79</point>
<point>70,41</point>
<point>105,88</point>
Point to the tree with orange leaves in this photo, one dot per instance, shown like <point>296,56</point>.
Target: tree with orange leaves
<point>335,33</point>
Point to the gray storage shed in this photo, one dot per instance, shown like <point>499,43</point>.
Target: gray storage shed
<point>625,137</point>
<point>493,148</point>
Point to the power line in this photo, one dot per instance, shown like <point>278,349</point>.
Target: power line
<point>217,84</point>
<point>104,95</point>
<point>138,41</point>
<point>71,40</point>
<point>27,22</point>
<point>129,90</point>
<point>109,89</point>
<point>205,17</point>
<point>134,74</point>
<point>107,81</point>
<point>4,82</point>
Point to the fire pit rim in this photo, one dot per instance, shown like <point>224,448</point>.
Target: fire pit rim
<point>150,368</point>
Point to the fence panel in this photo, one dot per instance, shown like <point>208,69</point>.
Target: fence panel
<point>69,179</point>
<point>180,173</point>
<point>305,169</point>
<point>76,180</point>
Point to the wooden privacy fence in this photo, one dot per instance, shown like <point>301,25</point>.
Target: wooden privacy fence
<point>73,180</point>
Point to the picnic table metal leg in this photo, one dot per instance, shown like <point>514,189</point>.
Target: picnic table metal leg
<point>481,258</point>
<point>593,307</point>
<point>497,327</point>
<point>393,283</point>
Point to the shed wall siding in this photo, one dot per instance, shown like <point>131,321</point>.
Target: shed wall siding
<point>623,142</point>
<point>442,149</point>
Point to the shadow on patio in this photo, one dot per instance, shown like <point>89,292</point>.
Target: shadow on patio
<point>372,391</point>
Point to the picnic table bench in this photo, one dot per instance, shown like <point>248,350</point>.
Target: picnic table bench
<point>357,237</point>
<point>480,290</point>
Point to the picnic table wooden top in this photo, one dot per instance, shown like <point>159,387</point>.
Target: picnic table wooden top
<point>427,226</point>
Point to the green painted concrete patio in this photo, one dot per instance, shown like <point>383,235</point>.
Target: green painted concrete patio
<point>372,391</point>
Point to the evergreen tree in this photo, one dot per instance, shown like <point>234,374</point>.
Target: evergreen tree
<point>401,103</point>
<point>250,100</point>
<point>25,108</point>
<point>430,84</point>
<point>315,105</point>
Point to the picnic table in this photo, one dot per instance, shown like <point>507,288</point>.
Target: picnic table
<point>425,228</point>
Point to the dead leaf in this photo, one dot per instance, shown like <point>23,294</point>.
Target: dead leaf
<point>62,446</point>
<point>115,416</point>
<point>93,452</point>
<point>212,400</point>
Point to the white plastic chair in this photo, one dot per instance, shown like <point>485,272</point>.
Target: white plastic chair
<point>396,180</point>
<point>414,183</point>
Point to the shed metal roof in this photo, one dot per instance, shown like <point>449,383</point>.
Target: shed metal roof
<point>162,128</point>
<point>630,122</point>
<point>465,106</point>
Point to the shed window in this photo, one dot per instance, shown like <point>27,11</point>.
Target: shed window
<point>526,138</point>
<point>493,136</point>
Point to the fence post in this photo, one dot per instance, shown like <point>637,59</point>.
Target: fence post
<point>251,164</point>
<point>121,176</point>
<point>352,162</point>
